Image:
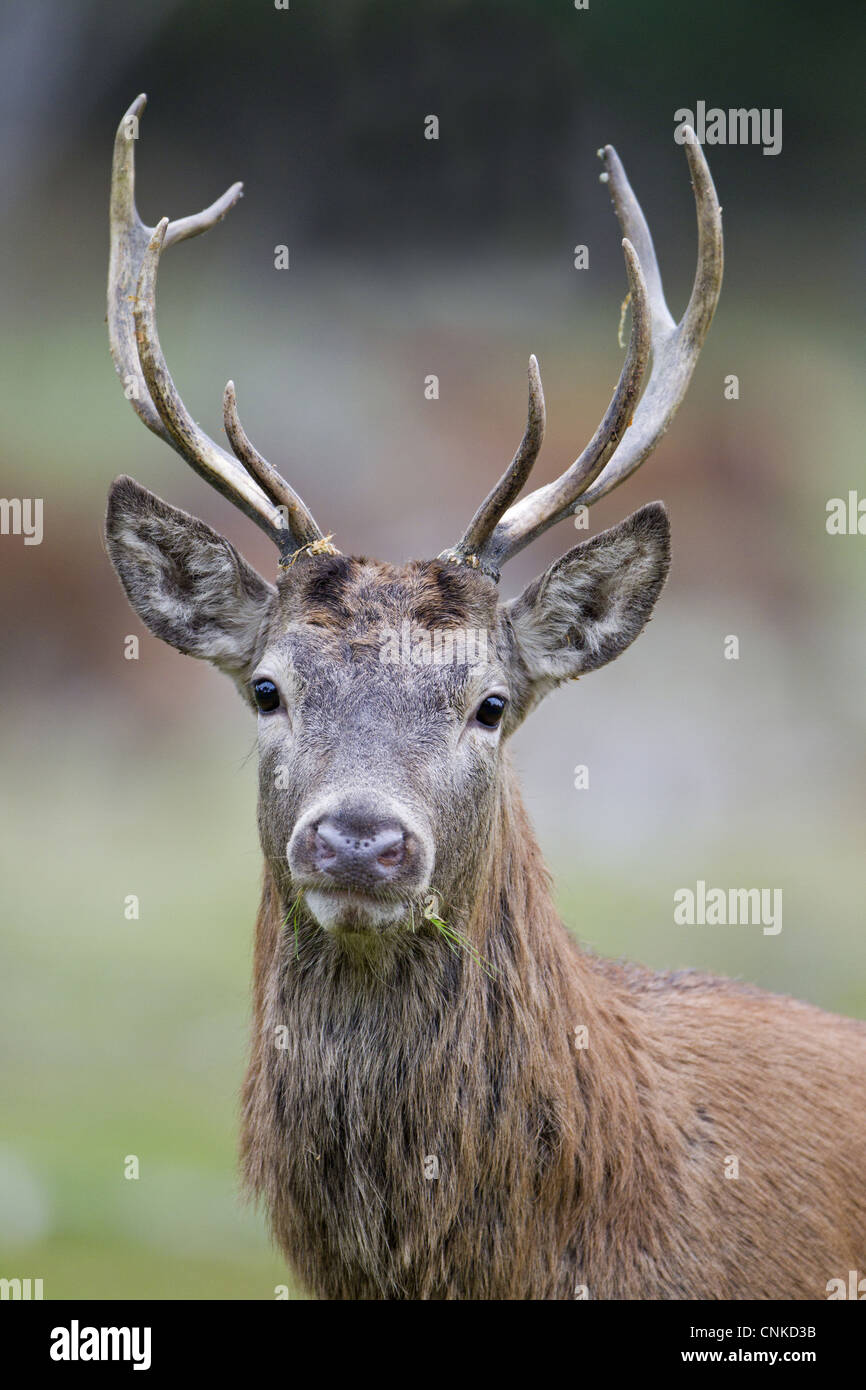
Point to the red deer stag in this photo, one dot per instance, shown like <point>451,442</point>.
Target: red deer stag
<point>417,1117</point>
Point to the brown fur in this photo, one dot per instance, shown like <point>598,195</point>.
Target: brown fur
<point>603,1167</point>
<point>560,1169</point>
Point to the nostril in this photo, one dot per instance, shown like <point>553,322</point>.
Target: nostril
<point>326,844</point>
<point>359,856</point>
<point>392,854</point>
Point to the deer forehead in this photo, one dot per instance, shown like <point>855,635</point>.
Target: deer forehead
<point>369,640</point>
<point>357,597</point>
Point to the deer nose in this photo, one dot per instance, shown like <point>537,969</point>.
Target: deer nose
<point>358,854</point>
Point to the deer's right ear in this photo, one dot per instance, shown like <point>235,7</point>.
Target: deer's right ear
<point>188,584</point>
<point>591,604</point>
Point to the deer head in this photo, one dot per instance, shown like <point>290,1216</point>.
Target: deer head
<point>382,768</point>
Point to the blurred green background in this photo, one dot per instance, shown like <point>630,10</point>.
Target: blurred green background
<point>408,257</point>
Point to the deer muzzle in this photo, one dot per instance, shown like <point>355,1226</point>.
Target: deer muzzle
<point>359,866</point>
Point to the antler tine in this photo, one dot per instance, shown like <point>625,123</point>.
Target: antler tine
<point>129,240</point>
<point>184,227</point>
<point>543,508</point>
<point>300,519</point>
<point>634,226</point>
<point>507,531</point>
<point>211,463</point>
<point>676,348</point>
<point>629,431</point>
<point>467,550</point>
<point>135,347</point>
<point>707,285</point>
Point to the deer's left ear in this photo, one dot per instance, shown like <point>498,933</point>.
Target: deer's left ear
<point>187,583</point>
<point>590,605</point>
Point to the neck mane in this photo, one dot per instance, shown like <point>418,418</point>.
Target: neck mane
<point>359,1077</point>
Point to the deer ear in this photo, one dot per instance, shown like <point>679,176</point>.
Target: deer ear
<point>590,605</point>
<point>187,583</point>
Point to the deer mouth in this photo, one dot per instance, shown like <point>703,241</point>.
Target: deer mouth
<point>348,910</point>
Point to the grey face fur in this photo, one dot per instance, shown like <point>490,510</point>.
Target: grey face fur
<point>378,781</point>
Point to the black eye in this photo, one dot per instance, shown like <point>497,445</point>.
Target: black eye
<point>267,696</point>
<point>490,711</point>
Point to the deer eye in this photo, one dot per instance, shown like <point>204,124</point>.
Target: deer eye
<point>490,711</point>
<point>267,696</point>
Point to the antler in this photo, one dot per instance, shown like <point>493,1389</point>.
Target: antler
<point>256,487</point>
<point>626,436</point>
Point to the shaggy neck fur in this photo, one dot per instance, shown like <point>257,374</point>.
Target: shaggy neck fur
<point>387,1101</point>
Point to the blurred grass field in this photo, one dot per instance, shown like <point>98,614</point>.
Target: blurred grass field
<point>129,1037</point>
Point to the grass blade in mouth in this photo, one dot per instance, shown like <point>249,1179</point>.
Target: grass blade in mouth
<point>455,938</point>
